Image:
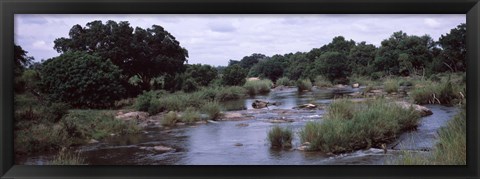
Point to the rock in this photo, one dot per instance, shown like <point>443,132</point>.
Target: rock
<point>162,148</point>
<point>242,125</point>
<point>211,121</point>
<point>238,144</point>
<point>280,88</point>
<point>258,104</point>
<point>112,135</point>
<point>306,106</point>
<point>277,103</point>
<point>93,141</point>
<point>180,123</point>
<point>376,91</point>
<point>137,115</point>
<point>201,122</point>
<point>355,94</point>
<point>143,148</point>
<point>355,85</point>
<point>424,111</point>
<point>253,79</point>
<point>339,86</point>
<point>302,148</point>
<point>281,120</point>
<point>306,143</point>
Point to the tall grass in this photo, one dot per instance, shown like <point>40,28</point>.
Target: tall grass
<point>284,81</point>
<point>190,115</point>
<point>437,93</point>
<point>280,137</point>
<point>391,85</point>
<point>258,86</point>
<point>65,157</point>
<point>321,81</point>
<point>341,109</point>
<point>170,119</point>
<point>374,123</point>
<point>304,85</point>
<point>212,109</point>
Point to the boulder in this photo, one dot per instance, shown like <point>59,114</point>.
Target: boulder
<point>306,106</point>
<point>238,144</point>
<point>93,141</point>
<point>242,125</point>
<point>280,120</point>
<point>355,85</point>
<point>424,111</point>
<point>137,115</point>
<point>162,148</point>
<point>253,79</point>
<point>259,104</point>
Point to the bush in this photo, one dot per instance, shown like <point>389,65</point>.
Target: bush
<point>65,157</point>
<point>81,80</point>
<point>148,102</point>
<point>40,137</point>
<point>321,81</point>
<point>304,85</point>
<point>234,75</point>
<point>190,115</point>
<point>170,119</point>
<point>391,85</point>
<point>338,133</point>
<point>341,109</point>
<point>258,86</point>
<point>436,93</point>
<point>55,111</point>
<point>406,83</point>
<point>280,137</point>
<point>212,109</point>
<point>284,81</point>
<point>230,93</point>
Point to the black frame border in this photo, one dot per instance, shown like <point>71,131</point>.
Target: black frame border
<point>10,7</point>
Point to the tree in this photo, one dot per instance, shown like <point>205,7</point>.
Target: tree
<point>21,59</point>
<point>81,80</point>
<point>248,61</point>
<point>418,50</point>
<point>272,68</point>
<point>454,48</point>
<point>333,65</point>
<point>234,75</point>
<point>201,74</point>
<point>361,56</point>
<point>148,53</point>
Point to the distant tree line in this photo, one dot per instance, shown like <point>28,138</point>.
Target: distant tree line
<point>103,62</point>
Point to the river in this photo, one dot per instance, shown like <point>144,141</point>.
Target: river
<point>245,142</point>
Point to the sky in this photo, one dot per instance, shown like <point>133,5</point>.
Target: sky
<point>217,38</point>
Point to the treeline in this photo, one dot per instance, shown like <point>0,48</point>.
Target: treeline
<point>399,55</point>
<point>101,63</point>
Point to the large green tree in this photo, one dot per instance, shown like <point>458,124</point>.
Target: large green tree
<point>147,53</point>
<point>454,48</point>
<point>21,60</point>
<point>234,75</point>
<point>81,80</point>
<point>334,65</point>
<point>361,56</point>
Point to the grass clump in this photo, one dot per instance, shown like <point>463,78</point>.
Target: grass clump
<point>190,115</point>
<point>341,109</point>
<point>284,81</point>
<point>212,109</point>
<point>322,82</point>
<point>391,85</point>
<point>280,137</point>
<point>170,119</point>
<point>437,93</point>
<point>65,157</point>
<point>229,93</point>
<point>304,85</point>
<point>369,125</point>
<point>258,86</point>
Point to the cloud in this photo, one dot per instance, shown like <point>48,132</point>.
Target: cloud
<point>221,26</point>
<point>431,22</point>
<point>42,45</point>
<point>214,39</point>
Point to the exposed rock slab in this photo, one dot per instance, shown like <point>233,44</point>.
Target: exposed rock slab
<point>424,111</point>
<point>136,115</point>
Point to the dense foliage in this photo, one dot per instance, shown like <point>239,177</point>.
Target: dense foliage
<point>81,80</point>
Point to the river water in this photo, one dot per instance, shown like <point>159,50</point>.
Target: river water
<point>245,142</point>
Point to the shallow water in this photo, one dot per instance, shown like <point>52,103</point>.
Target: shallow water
<point>226,143</point>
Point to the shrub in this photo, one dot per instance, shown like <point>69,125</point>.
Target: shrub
<point>258,86</point>
<point>212,109</point>
<point>304,85</point>
<point>40,137</point>
<point>371,124</point>
<point>229,93</point>
<point>436,93</point>
<point>234,75</point>
<point>280,137</point>
<point>391,85</point>
<point>144,101</point>
<point>81,80</point>
<point>170,119</point>
<point>65,157</point>
<point>190,115</point>
<point>284,81</point>
<point>55,111</point>
<point>321,81</point>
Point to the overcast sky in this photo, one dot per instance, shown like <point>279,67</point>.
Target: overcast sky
<point>215,39</point>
